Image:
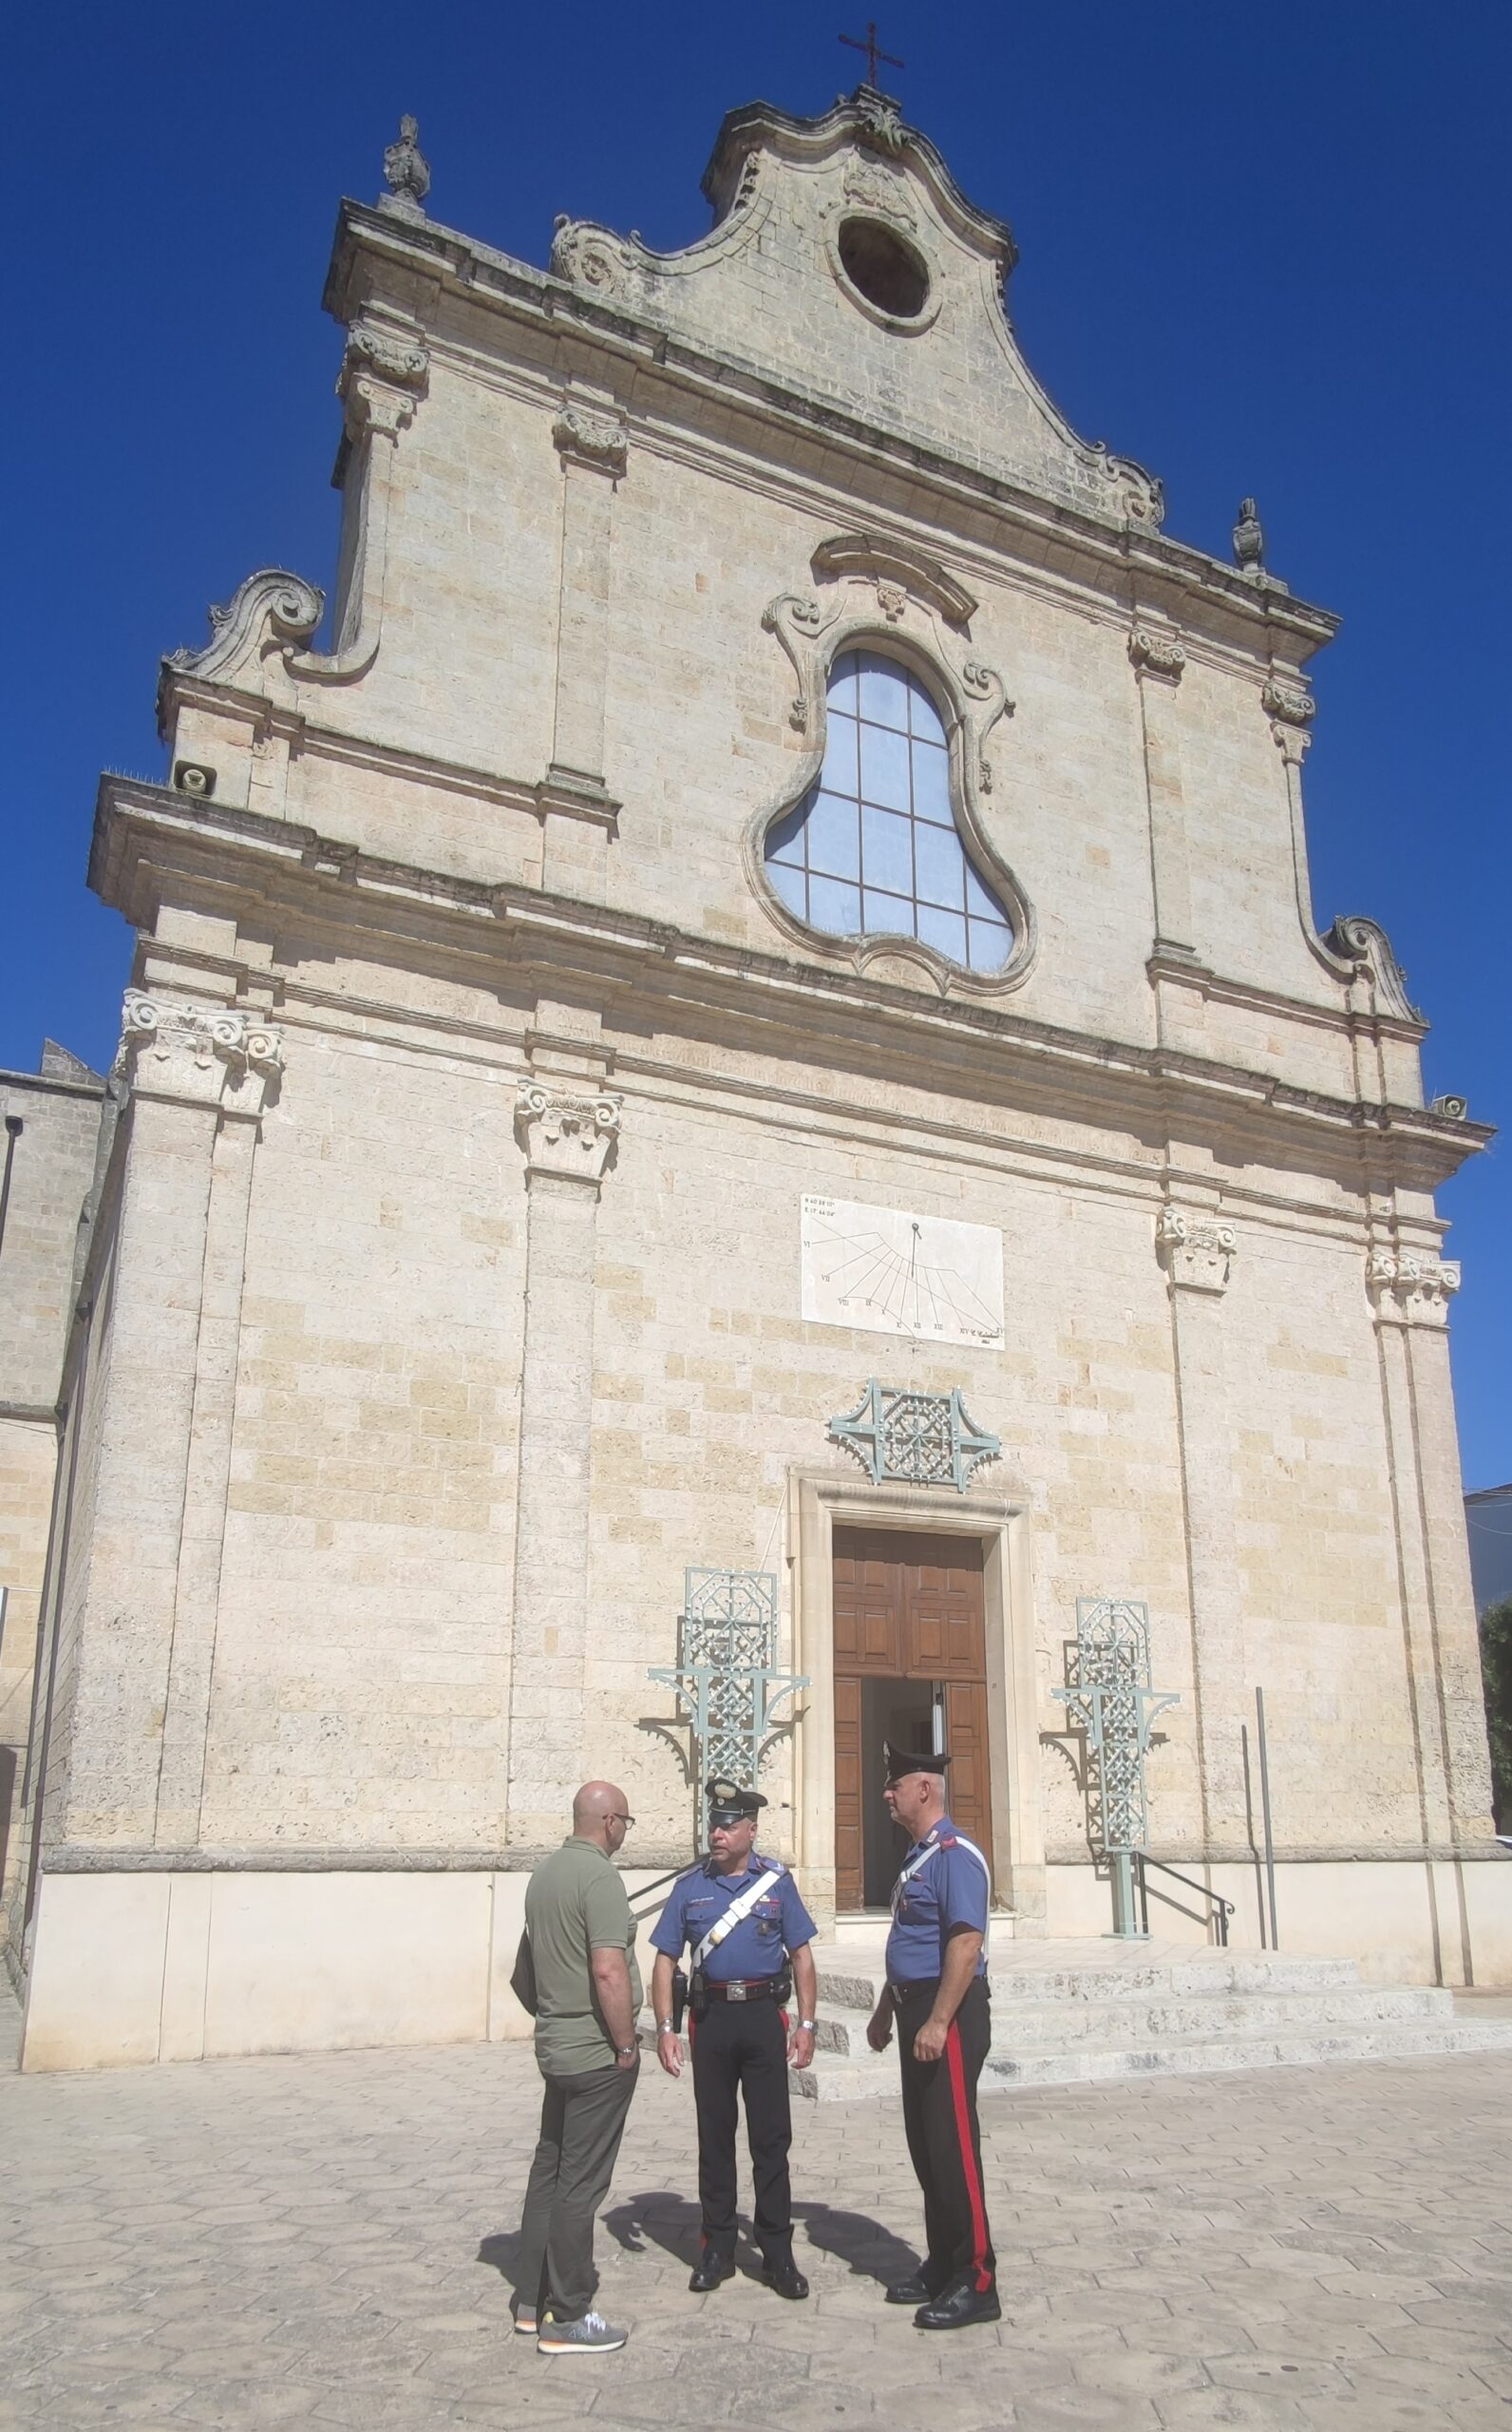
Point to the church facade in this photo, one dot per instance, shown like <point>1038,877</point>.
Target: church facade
<point>746,1046</point>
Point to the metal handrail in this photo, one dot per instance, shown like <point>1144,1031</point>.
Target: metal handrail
<point>656,1885</point>
<point>1222,1909</point>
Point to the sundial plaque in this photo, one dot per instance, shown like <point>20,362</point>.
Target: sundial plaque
<point>885,1272</point>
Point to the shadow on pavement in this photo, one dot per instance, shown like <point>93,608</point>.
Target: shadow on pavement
<point>670,2221</point>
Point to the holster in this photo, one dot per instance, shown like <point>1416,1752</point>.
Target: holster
<point>697,1991</point>
<point>679,1997</point>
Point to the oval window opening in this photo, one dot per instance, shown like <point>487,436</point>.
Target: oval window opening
<point>880,267</point>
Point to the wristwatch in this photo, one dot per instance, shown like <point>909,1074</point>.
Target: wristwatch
<point>808,2025</point>
<point>664,2027</point>
<point>623,2051</point>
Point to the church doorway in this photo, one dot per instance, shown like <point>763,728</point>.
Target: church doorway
<point>910,1667</point>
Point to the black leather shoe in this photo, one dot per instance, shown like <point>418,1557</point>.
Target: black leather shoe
<point>709,2270</point>
<point>786,2278</point>
<point>915,2290</point>
<point>957,2306</point>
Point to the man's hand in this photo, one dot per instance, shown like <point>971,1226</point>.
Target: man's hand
<point>670,2053</point>
<point>880,2025</point>
<point>628,2060</point>
<point>800,2047</point>
<point>929,2043</point>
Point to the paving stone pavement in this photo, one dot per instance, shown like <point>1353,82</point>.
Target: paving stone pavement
<point>325,2241</point>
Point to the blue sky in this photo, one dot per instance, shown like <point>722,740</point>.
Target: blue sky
<point>1262,251</point>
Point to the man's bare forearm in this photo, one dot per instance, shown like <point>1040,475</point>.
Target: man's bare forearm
<point>612,1985</point>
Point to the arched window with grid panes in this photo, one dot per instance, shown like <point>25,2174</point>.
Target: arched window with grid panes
<point>874,849</point>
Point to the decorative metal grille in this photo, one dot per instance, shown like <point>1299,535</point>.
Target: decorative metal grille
<point>728,1684</point>
<point>919,1439</point>
<point>1108,1692</point>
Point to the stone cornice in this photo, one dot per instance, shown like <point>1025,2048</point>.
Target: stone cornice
<point>151,845</point>
<point>495,281</point>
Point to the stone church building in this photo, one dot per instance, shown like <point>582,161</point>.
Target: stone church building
<point>743,1049</point>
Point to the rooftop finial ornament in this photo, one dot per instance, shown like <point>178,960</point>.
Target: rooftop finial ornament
<point>1249,541</point>
<point>406,171</point>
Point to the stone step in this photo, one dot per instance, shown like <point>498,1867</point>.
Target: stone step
<point>846,1985</point>
<point>1159,2017</point>
<point>874,2078</point>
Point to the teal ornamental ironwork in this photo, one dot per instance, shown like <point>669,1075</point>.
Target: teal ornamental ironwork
<point>1108,1692</point>
<point>726,1678</point>
<point>916,1439</point>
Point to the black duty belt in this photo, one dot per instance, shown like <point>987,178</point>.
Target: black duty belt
<point>922,1985</point>
<point>742,1988</point>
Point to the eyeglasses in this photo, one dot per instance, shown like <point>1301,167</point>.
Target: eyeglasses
<point>617,1816</point>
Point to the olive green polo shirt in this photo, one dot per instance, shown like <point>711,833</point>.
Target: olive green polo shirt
<point>575,1904</point>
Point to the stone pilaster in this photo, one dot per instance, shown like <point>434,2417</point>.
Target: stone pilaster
<point>1410,1291</point>
<point>200,1077</point>
<point>567,1132</point>
<point>1197,1250</point>
<point>1158,659</point>
<point>576,813</point>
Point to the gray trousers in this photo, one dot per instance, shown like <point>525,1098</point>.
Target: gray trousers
<point>582,2119</point>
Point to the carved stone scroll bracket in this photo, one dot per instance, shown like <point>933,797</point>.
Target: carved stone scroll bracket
<point>1410,1288</point>
<point>566,1136</point>
<point>198,1055</point>
<point>603,264</point>
<point>600,442</point>
<point>1198,1253</point>
<point>798,624</point>
<point>1155,653</point>
<point>1364,950</point>
<point>267,617</point>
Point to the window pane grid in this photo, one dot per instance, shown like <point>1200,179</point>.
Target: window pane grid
<point>874,849</point>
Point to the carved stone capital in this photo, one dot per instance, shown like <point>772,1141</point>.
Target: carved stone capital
<point>393,356</point>
<point>596,440</point>
<point>198,1055</point>
<point>1198,1253</point>
<point>1291,711</point>
<point>564,1134</point>
<point>1155,654</point>
<point>1411,1287</point>
<point>373,405</point>
<point>383,373</point>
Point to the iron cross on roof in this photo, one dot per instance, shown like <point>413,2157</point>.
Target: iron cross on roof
<point>872,54</point>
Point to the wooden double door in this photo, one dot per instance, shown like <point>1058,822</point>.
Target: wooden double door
<point>910,1667</point>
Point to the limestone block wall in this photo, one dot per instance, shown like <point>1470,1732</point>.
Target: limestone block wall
<point>51,1121</point>
<point>360,1690</point>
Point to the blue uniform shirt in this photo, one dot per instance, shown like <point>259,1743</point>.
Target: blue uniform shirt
<point>778,1922</point>
<point>948,1890</point>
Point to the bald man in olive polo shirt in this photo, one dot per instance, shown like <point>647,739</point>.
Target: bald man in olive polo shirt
<point>582,1943</point>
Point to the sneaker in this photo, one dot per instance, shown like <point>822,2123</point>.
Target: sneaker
<point>526,2324</point>
<point>589,2336</point>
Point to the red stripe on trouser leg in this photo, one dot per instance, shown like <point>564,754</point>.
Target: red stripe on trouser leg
<point>963,2131</point>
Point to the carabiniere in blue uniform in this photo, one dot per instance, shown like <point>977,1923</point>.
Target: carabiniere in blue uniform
<point>741,1980</point>
<point>942,1889</point>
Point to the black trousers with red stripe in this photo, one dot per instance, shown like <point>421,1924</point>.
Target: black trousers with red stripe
<point>944,2142</point>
